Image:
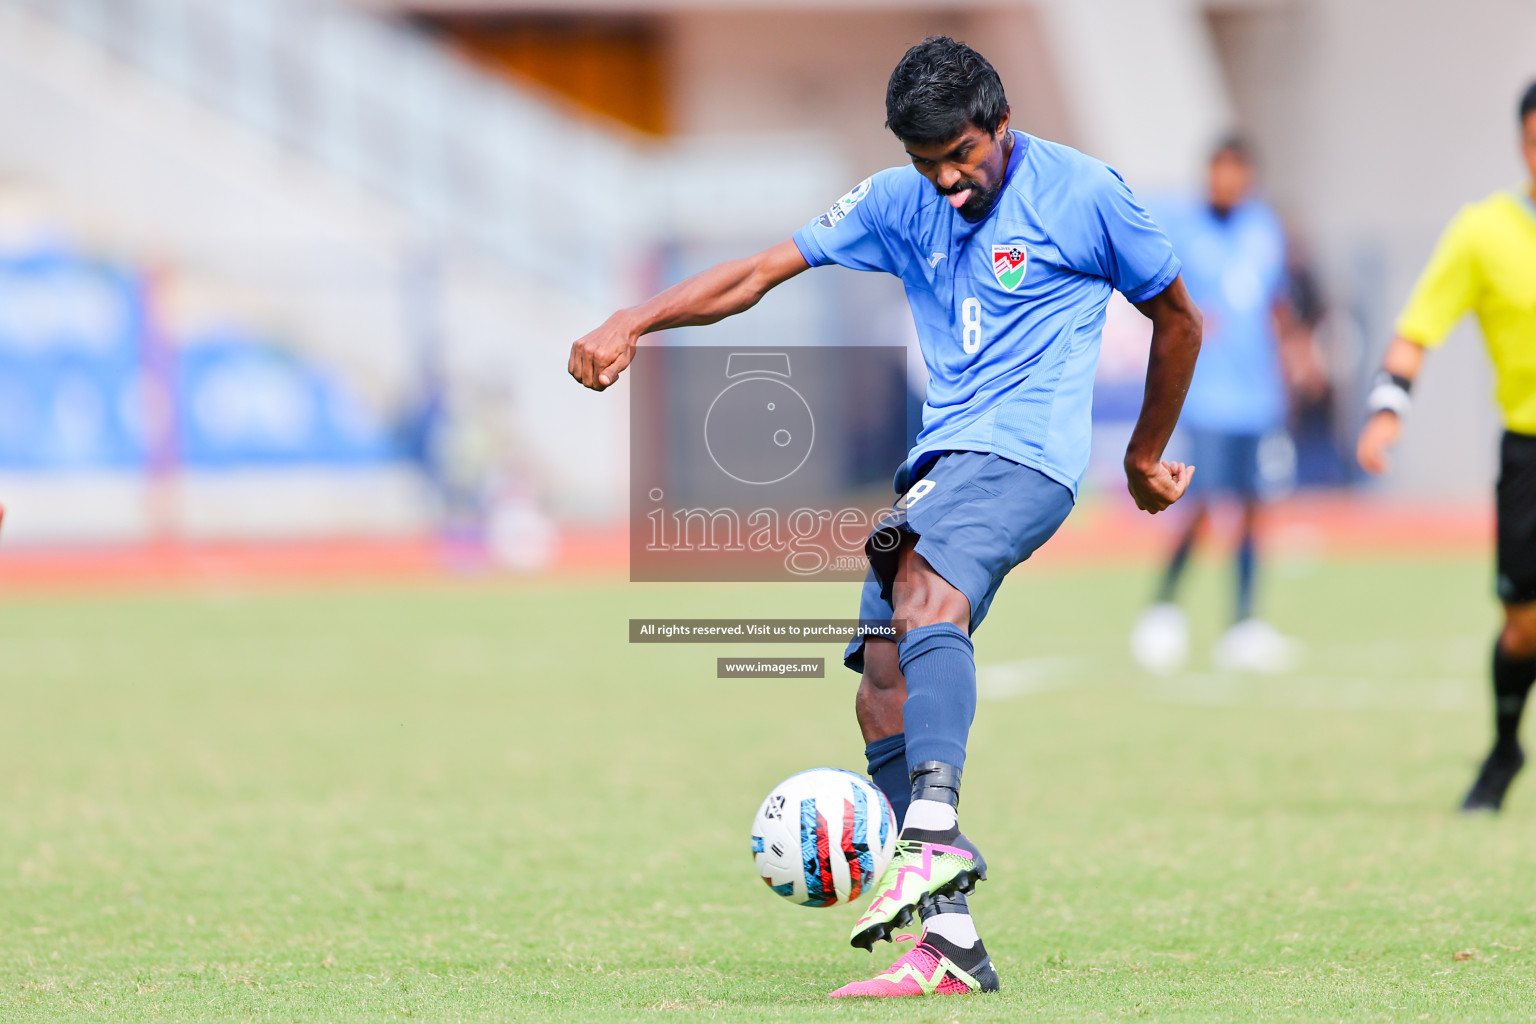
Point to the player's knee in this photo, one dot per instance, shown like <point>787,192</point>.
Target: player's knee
<point>929,607</point>
<point>1518,638</point>
<point>882,669</point>
<point>927,600</point>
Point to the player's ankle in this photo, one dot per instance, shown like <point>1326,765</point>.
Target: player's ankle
<point>950,916</point>
<point>967,957</point>
<point>931,816</point>
<point>949,928</point>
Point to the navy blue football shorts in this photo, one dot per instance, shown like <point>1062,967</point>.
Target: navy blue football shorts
<point>1224,463</point>
<point>975,516</point>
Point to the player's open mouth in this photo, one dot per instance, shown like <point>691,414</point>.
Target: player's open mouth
<point>958,199</point>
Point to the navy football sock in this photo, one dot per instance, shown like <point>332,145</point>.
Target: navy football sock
<point>1247,559</point>
<point>888,771</point>
<point>1176,563</point>
<point>940,667</point>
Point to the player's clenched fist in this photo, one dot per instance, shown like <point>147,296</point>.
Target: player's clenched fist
<point>1159,486</point>
<point>598,357</point>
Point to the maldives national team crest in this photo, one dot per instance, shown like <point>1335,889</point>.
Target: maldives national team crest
<point>1009,263</point>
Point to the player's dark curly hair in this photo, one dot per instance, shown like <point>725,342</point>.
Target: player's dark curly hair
<point>1234,144</point>
<point>1527,102</point>
<point>937,88</point>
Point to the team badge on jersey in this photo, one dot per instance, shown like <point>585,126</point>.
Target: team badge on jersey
<point>842,206</point>
<point>1009,263</point>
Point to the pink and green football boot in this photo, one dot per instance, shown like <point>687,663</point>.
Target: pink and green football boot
<point>919,871</point>
<point>928,969</point>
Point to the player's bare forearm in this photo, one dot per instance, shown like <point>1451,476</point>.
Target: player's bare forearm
<point>1156,484</point>
<point>1402,360</point>
<point>723,290</point>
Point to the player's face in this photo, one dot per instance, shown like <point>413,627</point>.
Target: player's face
<point>968,169</point>
<point>1528,143</point>
<point>1231,178</point>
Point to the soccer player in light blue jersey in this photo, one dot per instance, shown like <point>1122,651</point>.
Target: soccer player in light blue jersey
<point>1009,247</point>
<point>1233,250</point>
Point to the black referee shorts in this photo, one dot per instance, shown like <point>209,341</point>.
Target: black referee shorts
<point>1517,518</point>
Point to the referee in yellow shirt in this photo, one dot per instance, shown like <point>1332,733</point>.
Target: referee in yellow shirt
<point>1485,262</point>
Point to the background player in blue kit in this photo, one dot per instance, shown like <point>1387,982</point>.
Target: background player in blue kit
<point>1234,255</point>
<point>1009,247</point>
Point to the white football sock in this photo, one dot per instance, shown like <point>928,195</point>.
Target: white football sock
<point>957,928</point>
<point>930,816</point>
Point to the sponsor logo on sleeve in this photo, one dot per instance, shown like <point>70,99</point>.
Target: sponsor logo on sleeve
<point>843,206</point>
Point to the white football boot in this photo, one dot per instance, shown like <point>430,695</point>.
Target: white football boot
<point>1253,645</point>
<point>1160,639</point>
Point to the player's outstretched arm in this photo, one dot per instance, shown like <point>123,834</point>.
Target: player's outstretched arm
<point>1156,484</point>
<point>724,290</point>
<point>1388,401</point>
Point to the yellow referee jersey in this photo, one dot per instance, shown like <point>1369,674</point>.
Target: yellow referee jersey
<point>1486,262</point>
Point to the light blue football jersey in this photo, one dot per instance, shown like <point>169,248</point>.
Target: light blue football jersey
<point>1010,310</point>
<point>1234,268</point>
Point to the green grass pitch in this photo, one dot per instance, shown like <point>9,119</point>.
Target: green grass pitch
<point>480,803</point>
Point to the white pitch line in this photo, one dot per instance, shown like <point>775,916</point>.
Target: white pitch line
<point>1315,692</point>
<point>1026,676</point>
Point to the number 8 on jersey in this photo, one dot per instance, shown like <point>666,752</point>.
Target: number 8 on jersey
<point>970,319</point>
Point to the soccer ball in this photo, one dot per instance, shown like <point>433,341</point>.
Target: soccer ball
<point>823,837</point>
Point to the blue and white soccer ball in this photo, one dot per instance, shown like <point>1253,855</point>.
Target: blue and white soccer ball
<point>823,837</point>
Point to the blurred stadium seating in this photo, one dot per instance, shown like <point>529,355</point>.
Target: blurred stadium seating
<point>339,235</point>
<point>299,269</point>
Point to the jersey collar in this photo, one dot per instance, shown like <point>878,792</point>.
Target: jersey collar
<point>1015,159</point>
